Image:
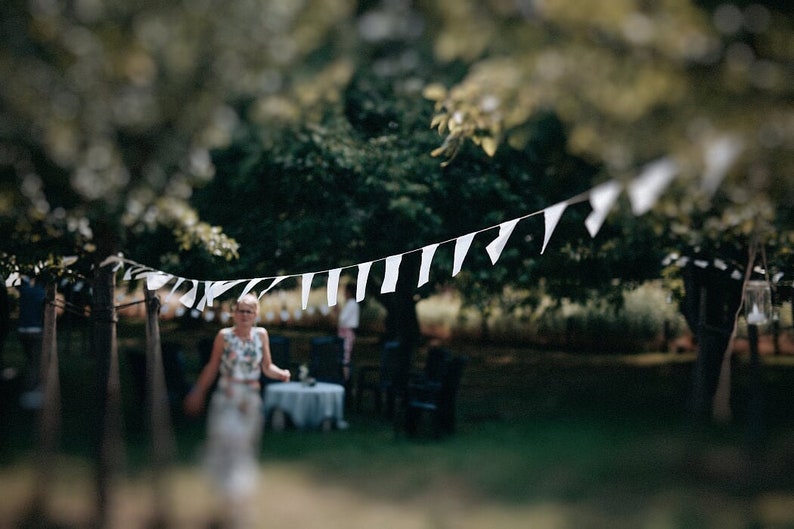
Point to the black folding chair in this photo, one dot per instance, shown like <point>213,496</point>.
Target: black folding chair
<point>436,399</point>
<point>326,359</point>
<point>386,381</point>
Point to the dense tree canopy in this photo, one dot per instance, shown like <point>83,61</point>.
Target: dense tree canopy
<point>108,110</point>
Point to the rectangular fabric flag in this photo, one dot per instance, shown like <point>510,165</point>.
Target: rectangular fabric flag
<point>427,258</point>
<point>361,281</point>
<point>462,245</point>
<point>552,216</point>
<point>602,198</point>
<point>496,246</point>
<point>391,274</point>
<point>306,287</point>
<point>645,190</point>
<point>332,291</point>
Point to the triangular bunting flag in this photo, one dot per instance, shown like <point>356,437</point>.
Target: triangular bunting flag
<point>602,198</point>
<point>251,284</point>
<point>496,246</point>
<point>213,289</point>
<point>391,273</point>
<point>361,281</point>
<point>427,258</point>
<point>189,298</point>
<point>552,216</point>
<point>275,282</point>
<point>206,299</point>
<point>133,270</point>
<point>462,245</point>
<point>219,287</point>
<point>157,280</point>
<point>333,286</point>
<point>645,190</point>
<point>179,281</point>
<point>306,286</point>
<point>720,155</point>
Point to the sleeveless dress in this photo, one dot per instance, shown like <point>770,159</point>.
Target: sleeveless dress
<point>235,417</point>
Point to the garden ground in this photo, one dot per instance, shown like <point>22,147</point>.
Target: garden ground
<point>545,440</point>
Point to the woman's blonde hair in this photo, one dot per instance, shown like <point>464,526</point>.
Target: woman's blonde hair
<point>249,300</point>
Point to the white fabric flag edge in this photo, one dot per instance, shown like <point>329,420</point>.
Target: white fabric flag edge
<point>645,190</point>
<point>462,245</point>
<point>276,281</point>
<point>157,280</point>
<point>552,216</point>
<point>427,259</point>
<point>602,198</point>
<point>189,298</point>
<point>496,246</point>
<point>306,286</point>
<point>391,273</point>
<point>361,281</point>
<point>333,286</point>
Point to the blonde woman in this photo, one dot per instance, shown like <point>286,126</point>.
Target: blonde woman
<point>234,418</point>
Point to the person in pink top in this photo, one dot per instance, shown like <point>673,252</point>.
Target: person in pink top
<point>347,325</point>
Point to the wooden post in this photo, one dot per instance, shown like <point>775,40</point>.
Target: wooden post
<point>108,392</point>
<point>159,416</point>
<point>50,416</point>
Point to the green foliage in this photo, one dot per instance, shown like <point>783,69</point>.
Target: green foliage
<point>638,323</point>
<point>109,110</point>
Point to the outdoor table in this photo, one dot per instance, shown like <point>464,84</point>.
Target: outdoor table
<point>320,405</point>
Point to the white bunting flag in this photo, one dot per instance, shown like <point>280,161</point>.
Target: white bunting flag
<point>157,280</point>
<point>427,258</point>
<point>390,274</point>
<point>189,298</point>
<point>214,289</point>
<point>332,290</point>
<point>462,245</point>
<point>361,281</point>
<point>552,217</point>
<point>602,198</point>
<point>496,246</point>
<point>206,299</point>
<point>251,284</point>
<point>128,273</point>
<point>179,281</point>
<point>645,190</point>
<point>719,156</point>
<point>219,287</point>
<point>306,286</point>
<point>273,283</point>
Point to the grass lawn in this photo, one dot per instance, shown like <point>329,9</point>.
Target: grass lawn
<point>545,440</point>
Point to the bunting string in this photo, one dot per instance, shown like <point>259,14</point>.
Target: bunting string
<point>643,192</point>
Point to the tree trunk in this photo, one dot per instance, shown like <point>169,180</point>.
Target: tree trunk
<point>711,301</point>
<point>402,322</point>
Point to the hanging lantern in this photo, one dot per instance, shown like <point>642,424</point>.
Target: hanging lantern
<point>757,302</point>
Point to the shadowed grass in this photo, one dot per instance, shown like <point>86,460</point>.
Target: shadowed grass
<point>544,439</point>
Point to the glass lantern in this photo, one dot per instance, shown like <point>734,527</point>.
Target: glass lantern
<point>757,302</point>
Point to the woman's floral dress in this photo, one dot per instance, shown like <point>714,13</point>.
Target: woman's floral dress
<point>234,418</point>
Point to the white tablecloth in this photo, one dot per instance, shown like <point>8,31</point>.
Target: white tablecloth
<point>307,406</point>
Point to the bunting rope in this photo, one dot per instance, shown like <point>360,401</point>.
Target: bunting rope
<point>643,192</point>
